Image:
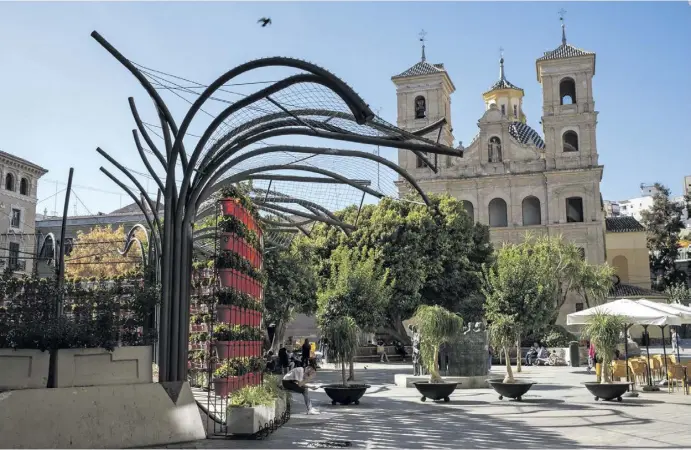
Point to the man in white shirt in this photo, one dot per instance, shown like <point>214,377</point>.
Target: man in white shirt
<point>296,381</point>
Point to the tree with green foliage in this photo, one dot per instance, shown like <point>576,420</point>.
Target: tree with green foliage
<point>678,293</point>
<point>519,290</point>
<point>604,330</point>
<point>291,288</point>
<point>437,326</point>
<point>502,332</point>
<point>663,223</point>
<point>358,289</point>
<point>342,335</point>
<point>434,255</point>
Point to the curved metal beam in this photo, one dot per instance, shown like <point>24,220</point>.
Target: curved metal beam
<point>330,221</point>
<point>145,133</point>
<point>316,150</point>
<point>135,199</point>
<point>160,104</point>
<point>145,160</point>
<point>237,106</point>
<point>55,246</point>
<point>139,186</point>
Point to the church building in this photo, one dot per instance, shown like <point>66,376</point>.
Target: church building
<point>511,177</point>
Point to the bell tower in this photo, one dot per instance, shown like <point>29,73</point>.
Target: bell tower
<point>424,97</point>
<point>569,118</point>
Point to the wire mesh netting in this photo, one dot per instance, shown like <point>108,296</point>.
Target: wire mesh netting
<point>306,106</point>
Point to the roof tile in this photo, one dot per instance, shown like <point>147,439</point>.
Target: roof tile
<point>623,224</point>
<point>564,51</point>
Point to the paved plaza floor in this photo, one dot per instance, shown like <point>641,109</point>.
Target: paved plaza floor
<point>558,412</point>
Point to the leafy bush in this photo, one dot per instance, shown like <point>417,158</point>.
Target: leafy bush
<point>96,314</point>
<point>551,336</point>
<point>557,336</point>
<point>251,396</point>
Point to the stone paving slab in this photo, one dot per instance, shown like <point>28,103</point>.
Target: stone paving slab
<point>558,412</point>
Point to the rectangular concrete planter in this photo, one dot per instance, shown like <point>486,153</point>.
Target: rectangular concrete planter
<point>99,367</point>
<point>23,369</point>
<point>281,405</point>
<point>245,421</point>
<point>118,416</point>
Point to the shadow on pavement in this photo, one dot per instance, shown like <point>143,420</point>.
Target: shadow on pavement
<point>389,423</point>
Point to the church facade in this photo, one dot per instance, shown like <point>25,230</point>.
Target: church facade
<point>510,177</point>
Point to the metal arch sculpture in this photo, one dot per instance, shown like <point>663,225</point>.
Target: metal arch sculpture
<point>174,238</point>
<point>131,239</point>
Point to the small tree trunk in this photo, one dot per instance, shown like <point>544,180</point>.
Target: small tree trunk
<point>518,355</point>
<point>509,373</point>
<point>434,370</point>
<point>279,334</point>
<point>604,369</point>
<point>351,370</point>
<point>343,373</point>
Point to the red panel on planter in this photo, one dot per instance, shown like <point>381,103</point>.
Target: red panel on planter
<point>231,278</point>
<point>237,349</point>
<point>231,207</point>
<point>234,243</point>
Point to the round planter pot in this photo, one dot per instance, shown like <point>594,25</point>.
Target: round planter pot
<point>607,391</point>
<point>435,391</point>
<point>511,390</point>
<point>345,395</point>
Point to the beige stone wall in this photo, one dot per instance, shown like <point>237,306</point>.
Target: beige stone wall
<point>628,254</point>
<point>13,199</point>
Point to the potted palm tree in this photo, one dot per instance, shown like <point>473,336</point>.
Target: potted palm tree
<point>502,333</point>
<point>437,326</point>
<point>603,331</point>
<point>342,335</point>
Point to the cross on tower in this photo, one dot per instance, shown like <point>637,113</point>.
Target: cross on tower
<point>501,52</point>
<point>563,28</point>
<point>561,14</point>
<point>423,35</point>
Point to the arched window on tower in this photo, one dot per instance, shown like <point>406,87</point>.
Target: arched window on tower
<point>567,91</point>
<point>531,211</point>
<point>24,186</point>
<point>420,107</point>
<point>9,182</point>
<point>498,216</point>
<point>569,141</point>
<point>515,111</point>
<point>574,210</point>
<point>469,208</point>
<point>494,148</point>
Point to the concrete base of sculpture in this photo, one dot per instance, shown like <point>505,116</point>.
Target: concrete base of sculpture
<point>115,416</point>
<point>477,382</point>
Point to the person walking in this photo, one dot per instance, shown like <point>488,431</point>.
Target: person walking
<point>676,342</point>
<point>296,381</point>
<point>381,350</point>
<point>306,350</point>
<point>591,356</point>
<point>490,350</point>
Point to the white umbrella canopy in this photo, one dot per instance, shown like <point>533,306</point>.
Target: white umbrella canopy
<point>632,312</point>
<point>679,307</point>
<point>684,315</point>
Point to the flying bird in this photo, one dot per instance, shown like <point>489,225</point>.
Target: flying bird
<point>264,21</point>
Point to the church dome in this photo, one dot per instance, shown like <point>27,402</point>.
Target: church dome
<point>525,135</point>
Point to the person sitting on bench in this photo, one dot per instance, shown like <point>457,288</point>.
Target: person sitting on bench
<point>531,355</point>
<point>542,356</point>
<point>296,381</point>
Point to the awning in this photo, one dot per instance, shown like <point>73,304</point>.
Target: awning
<point>631,312</point>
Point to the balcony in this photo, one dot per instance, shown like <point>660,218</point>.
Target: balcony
<point>16,266</point>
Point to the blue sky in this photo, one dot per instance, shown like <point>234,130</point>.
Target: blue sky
<point>62,95</point>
